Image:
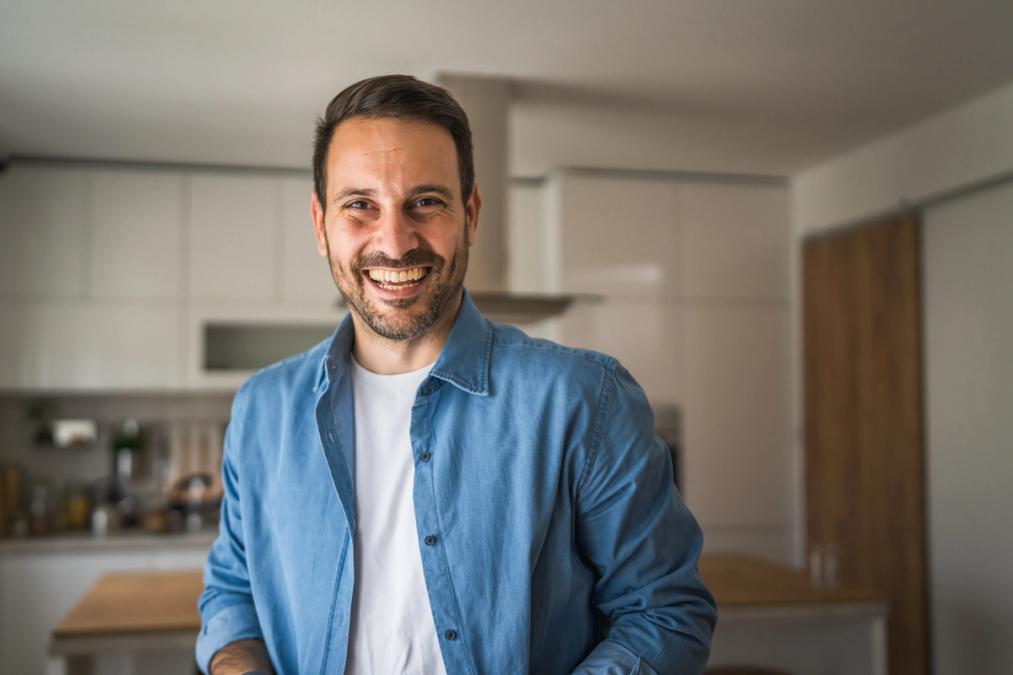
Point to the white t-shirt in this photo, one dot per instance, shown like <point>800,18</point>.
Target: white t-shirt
<point>391,629</point>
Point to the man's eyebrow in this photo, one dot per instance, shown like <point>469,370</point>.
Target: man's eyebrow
<point>441,190</point>
<point>354,192</point>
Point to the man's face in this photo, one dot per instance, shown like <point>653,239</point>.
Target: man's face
<point>395,228</point>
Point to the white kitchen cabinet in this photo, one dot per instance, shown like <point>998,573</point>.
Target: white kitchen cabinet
<point>318,320</point>
<point>43,231</point>
<point>529,239</point>
<point>234,236</point>
<point>15,341</point>
<point>618,235</point>
<point>736,401</point>
<point>86,346</point>
<point>693,279</point>
<point>136,234</point>
<point>306,277</point>
<point>39,586</point>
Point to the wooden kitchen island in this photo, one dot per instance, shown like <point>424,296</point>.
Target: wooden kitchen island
<point>769,614</point>
<point>131,612</point>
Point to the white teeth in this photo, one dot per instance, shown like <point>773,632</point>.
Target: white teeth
<point>396,276</point>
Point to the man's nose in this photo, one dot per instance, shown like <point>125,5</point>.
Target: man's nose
<point>395,234</point>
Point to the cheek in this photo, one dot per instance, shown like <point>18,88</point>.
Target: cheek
<point>342,249</point>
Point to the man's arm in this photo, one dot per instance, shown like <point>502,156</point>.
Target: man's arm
<point>226,606</point>
<point>244,657</point>
<point>643,544</point>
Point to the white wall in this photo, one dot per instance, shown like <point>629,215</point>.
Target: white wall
<point>960,147</point>
<point>547,135</point>
<point>968,292</point>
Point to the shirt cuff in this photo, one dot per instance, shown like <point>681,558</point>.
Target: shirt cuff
<point>236,622</point>
<point>611,658</point>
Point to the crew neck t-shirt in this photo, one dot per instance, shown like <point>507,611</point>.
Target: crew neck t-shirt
<point>391,628</point>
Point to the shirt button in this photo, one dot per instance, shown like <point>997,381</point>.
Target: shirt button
<point>450,634</point>
<point>424,457</point>
<point>430,540</point>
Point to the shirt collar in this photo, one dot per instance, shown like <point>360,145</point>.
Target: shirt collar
<point>463,362</point>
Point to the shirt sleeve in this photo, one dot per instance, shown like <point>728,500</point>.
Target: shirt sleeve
<point>226,604</point>
<point>642,543</point>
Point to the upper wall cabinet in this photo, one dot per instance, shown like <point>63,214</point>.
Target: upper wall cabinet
<point>635,236</point>
<point>305,275</point>
<point>618,235</point>
<point>234,237</point>
<point>136,234</point>
<point>16,370</point>
<point>68,345</point>
<point>43,231</point>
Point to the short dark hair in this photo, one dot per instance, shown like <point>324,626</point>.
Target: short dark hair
<point>398,96</point>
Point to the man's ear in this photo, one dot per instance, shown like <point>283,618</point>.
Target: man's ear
<point>317,216</point>
<point>471,208</point>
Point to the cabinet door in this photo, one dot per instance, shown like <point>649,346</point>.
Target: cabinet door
<point>234,237</point>
<point>38,589</point>
<point>15,341</point>
<point>91,346</point>
<point>619,236</point>
<point>43,222</point>
<point>306,277</point>
<point>135,243</point>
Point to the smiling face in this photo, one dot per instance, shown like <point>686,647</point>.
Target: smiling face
<point>395,227</point>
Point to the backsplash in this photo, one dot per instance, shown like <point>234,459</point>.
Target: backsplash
<point>155,412</point>
<point>180,435</point>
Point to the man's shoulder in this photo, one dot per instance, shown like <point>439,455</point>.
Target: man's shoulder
<point>516,348</point>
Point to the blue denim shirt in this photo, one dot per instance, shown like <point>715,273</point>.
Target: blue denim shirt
<point>551,535</point>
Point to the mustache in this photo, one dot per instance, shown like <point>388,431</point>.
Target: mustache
<point>413,258</point>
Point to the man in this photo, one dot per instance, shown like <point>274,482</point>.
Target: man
<point>428,492</point>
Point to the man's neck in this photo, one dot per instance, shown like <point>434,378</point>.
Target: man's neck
<point>383,356</point>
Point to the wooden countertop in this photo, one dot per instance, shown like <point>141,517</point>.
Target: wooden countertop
<point>135,602</point>
<point>743,581</point>
<point>132,603</point>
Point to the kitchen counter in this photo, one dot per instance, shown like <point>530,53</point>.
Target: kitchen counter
<point>135,603</point>
<point>745,582</point>
<point>157,610</point>
<point>771,615</point>
<point>116,541</point>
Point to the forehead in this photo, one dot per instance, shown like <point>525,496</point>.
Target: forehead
<point>388,149</point>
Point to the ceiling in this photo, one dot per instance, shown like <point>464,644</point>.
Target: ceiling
<point>750,86</point>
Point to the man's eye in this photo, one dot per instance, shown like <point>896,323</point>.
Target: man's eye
<point>427,202</point>
<point>358,204</point>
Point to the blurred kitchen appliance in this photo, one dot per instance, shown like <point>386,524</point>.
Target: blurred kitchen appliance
<point>668,427</point>
<point>12,480</point>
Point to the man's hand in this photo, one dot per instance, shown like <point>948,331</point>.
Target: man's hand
<point>243,657</point>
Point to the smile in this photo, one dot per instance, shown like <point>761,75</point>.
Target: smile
<point>399,278</point>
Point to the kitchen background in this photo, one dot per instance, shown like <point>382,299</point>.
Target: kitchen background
<point>149,260</point>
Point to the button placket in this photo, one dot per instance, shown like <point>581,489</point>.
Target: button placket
<point>434,564</point>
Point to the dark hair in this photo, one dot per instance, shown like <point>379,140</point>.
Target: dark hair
<point>402,97</point>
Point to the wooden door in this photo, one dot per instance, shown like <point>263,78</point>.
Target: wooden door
<point>865,466</point>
